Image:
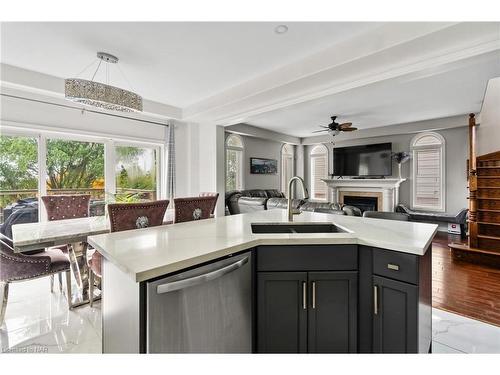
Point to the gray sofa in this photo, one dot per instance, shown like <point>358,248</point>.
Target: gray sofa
<point>269,199</point>
<point>310,206</point>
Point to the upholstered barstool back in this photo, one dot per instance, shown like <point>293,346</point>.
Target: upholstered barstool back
<point>127,216</point>
<point>193,208</point>
<point>15,267</point>
<point>215,196</point>
<point>62,207</point>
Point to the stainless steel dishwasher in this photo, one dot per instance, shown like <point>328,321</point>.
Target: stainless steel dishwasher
<point>204,310</point>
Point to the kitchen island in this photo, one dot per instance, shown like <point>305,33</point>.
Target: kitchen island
<point>371,272</point>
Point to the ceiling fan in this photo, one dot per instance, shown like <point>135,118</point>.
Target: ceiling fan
<point>335,128</point>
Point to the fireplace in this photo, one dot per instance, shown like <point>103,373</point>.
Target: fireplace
<point>363,203</point>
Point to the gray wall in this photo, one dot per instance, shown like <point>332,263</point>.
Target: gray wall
<point>260,148</point>
<point>456,156</point>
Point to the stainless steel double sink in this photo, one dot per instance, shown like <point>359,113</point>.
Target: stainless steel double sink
<point>277,228</point>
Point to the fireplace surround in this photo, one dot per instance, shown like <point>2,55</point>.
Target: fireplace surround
<point>385,190</point>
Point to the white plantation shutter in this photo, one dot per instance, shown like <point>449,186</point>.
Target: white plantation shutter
<point>234,163</point>
<point>319,171</point>
<point>286,167</point>
<point>428,172</point>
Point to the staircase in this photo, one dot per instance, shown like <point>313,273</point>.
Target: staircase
<point>484,207</point>
<point>488,202</point>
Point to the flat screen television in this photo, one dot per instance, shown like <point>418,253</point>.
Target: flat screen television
<point>367,160</point>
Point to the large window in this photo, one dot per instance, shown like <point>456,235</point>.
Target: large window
<point>135,173</point>
<point>287,166</point>
<point>18,174</point>
<point>234,162</point>
<point>35,162</point>
<point>319,171</point>
<point>75,167</point>
<point>428,172</point>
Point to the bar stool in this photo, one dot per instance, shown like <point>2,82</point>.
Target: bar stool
<point>127,216</point>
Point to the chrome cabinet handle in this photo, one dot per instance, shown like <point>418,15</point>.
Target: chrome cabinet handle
<point>192,281</point>
<point>314,294</point>
<point>304,295</point>
<point>394,267</point>
<point>375,300</point>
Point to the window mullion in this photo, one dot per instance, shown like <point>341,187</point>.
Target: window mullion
<point>42,175</point>
<point>109,168</point>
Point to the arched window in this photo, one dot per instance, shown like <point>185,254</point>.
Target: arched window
<point>287,166</point>
<point>319,171</point>
<point>234,162</point>
<point>428,172</point>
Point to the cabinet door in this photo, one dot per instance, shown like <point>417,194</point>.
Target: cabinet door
<point>282,312</point>
<point>333,312</point>
<point>395,324</point>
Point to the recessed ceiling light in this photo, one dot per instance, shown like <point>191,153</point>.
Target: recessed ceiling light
<point>281,29</point>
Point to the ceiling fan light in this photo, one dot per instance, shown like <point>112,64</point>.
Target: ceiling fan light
<point>101,95</point>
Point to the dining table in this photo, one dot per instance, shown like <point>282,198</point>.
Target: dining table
<point>73,232</point>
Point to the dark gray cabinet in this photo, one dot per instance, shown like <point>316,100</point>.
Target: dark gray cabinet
<point>342,299</point>
<point>401,302</point>
<point>300,312</point>
<point>282,312</point>
<point>332,312</point>
<point>395,323</point>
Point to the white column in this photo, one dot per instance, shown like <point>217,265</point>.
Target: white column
<point>387,200</point>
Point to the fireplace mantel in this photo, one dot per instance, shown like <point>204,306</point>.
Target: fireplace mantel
<point>387,187</point>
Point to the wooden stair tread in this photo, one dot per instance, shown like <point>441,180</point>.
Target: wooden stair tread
<point>488,223</point>
<point>488,237</point>
<point>487,210</point>
<point>487,198</point>
<point>491,176</point>
<point>464,247</point>
<point>488,167</point>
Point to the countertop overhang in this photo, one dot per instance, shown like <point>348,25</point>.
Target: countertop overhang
<point>144,254</point>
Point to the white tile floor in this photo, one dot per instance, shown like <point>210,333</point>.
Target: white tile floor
<point>40,322</point>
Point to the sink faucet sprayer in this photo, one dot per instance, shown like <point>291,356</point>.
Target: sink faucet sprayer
<point>291,211</point>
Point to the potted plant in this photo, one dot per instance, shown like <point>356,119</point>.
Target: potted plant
<point>401,158</point>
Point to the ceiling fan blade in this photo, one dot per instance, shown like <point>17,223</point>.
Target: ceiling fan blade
<point>320,131</point>
<point>348,129</point>
<point>346,124</point>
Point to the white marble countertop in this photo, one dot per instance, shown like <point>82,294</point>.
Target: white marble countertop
<point>30,236</point>
<point>147,253</point>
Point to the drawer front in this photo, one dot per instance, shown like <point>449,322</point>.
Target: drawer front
<point>307,258</point>
<point>397,266</point>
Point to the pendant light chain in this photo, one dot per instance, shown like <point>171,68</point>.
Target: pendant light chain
<point>98,66</point>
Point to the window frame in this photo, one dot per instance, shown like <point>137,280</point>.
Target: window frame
<point>242,166</point>
<point>415,148</point>
<point>290,154</point>
<point>43,133</point>
<point>312,156</point>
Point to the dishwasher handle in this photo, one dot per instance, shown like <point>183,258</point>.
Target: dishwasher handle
<point>196,280</point>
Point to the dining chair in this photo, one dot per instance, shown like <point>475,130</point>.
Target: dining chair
<point>63,207</point>
<point>16,267</point>
<point>215,196</point>
<point>127,216</point>
<point>193,208</point>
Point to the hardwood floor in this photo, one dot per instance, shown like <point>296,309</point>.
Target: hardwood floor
<point>464,288</point>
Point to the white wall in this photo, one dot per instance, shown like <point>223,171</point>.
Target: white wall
<point>456,156</point>
<point>488,132</point>
<point>21,114</point>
